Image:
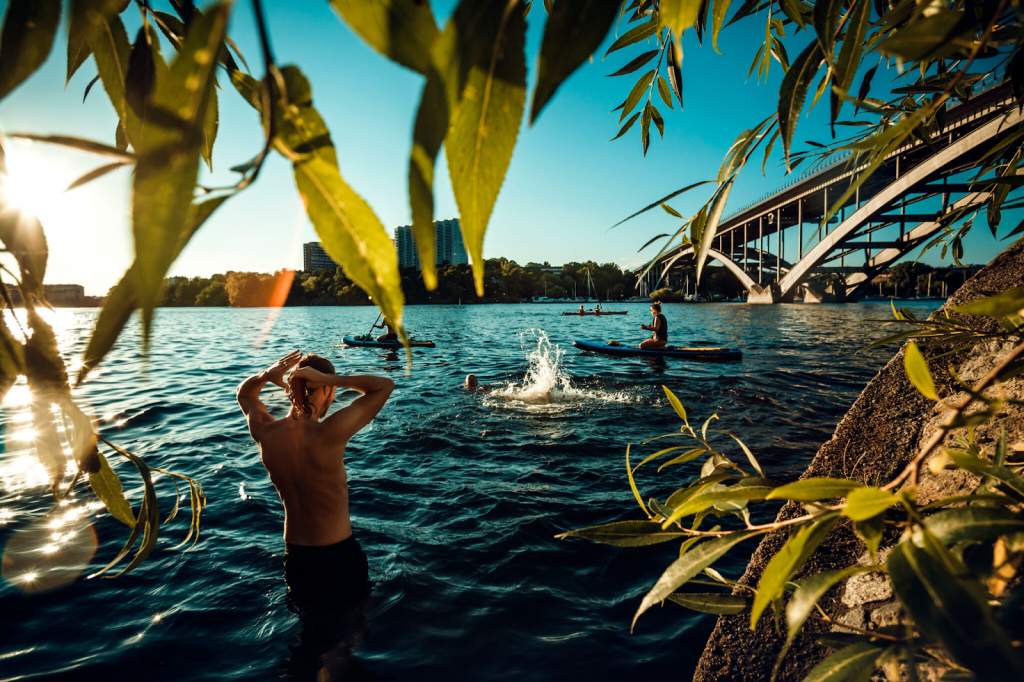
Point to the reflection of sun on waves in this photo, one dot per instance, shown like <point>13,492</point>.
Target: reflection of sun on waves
<point>546,387</point>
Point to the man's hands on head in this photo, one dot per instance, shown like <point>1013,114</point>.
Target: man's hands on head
<point>314,378</point>
<point>275,373</point>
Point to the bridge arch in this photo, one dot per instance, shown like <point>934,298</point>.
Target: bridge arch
<point>730,265</point>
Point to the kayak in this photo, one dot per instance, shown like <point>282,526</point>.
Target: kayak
<point>600,313</point>
<point>373,343</point>
<point>668,351</point>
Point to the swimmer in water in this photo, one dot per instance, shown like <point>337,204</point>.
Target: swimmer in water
<point>473,384</point>
<point>304,454</point>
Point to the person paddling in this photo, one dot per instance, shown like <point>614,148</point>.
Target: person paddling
<point>304,456</point>
<point>597,308</point>
<point>390,335</point>
<point>659,326</point>
<point>581,310</point>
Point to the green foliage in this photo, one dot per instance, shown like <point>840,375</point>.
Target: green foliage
<point>954,603</point>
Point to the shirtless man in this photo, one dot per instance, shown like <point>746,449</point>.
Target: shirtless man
<point>660,328</point>
<point>304,455</point>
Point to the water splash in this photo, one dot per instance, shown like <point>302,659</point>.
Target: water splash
<point>546,386</point>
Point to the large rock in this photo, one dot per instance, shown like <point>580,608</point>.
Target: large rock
<point>884,429</point>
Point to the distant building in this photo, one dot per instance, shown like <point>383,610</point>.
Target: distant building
<point>546,267</point>
<point>59,295</point>
<point>447,242</point>
<point>315,258</point>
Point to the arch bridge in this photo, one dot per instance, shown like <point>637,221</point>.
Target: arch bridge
<point>896,210</point>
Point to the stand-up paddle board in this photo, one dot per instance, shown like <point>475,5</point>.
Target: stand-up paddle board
<point>372,343</point>
<point>668,351</point>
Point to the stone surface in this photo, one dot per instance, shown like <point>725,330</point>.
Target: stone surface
<point>857,618</point>
<point>864,588</point>
<point>873,443</point>
<point>889,614</point>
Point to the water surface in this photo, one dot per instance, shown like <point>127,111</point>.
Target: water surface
<point>456,496</point>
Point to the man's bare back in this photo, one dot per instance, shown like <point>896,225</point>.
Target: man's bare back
<point>304,455</point>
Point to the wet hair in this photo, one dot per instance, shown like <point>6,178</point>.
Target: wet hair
<point>657,306</point>
<point>471,381</point>
<point>299,394</point>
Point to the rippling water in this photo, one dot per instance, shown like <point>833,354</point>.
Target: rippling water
<point>456,496</point>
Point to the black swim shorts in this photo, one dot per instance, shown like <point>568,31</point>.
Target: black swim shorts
<point>332,575</point>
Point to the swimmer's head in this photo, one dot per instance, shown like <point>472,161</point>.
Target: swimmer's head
<point>312,402</point>
<point>471,381</point>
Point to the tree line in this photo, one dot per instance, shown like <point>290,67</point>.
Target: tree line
<point>505,281</point>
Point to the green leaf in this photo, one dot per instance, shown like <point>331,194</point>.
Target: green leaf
<point>685,457</point>
<point>1011,481</point>
<point>794,90</point>
<point>635,64</point>
<point>870,531</point>
<point>721,7</point>
<point>928,37</point>
<point>679,15</point>
<point>676,405</point>
<point>659,202</point>
<point>625,128</point>
<point>807,594</point>
<point>666,94</point>
<point>428,135</point>
<point>169,153</point>
<point>689,565</point>
<point>93,174</point>
<point>853,46</point>
<point>634,35</point>
<point>111,49</point>
<point>865,503</point>
<point>814,489</point>
<point>785,564</point>
<point>852,663</point>
<point>107,487</point>
<point>575,28</point>
<point>973,523</point>
<point>671,211</point>
<point>1005,303</point>
<point>79,144</point>
<point>716,603</point>
<point>636,94</point>
<point>404,31</point>
<point>917,372</point>
<point>675,73</point>
<point>29,28</point>
<point>149,517</point>
<point>712,494</point>
<point>626,534</point>
<point>123,299</point>
<point>947,604</point>
<point>710,230</point>
<point>826,21</point>
<point>210,125</point>
<point>484,69</point>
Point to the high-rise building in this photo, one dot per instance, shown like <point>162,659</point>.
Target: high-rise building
<point>315,258</point>
<point>447,241</point>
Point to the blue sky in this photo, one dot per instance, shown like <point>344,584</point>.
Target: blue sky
<point>566,185</point>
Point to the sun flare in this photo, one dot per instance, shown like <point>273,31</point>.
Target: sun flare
<point>33,184</point>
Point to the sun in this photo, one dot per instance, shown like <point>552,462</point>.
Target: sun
<point>33,184</point>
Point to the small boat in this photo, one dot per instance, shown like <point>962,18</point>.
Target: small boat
<point>669,351</point>
<point>364,342</point>
<point>589,312</point>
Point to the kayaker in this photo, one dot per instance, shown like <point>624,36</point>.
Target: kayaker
<point>659,326</point>
<point>581,310</point>
<point>304,452</point>
<point>597,308</point>
<point>391,334</point>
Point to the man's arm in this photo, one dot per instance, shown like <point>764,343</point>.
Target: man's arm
<point>344,423</point>
<point>248,393</point>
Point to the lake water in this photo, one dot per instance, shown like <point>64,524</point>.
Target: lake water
<point>455,496</point>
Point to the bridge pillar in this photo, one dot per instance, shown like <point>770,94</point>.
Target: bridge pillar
<point>758,294</point>
<point>814,293</point>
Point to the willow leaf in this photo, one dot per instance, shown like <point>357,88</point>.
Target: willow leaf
<point>404,31</point>
<point>794,90</point>
<point>26,40</point>
<point>169,153</point>
<point>428,135</point>
<point>484,69</point>
<point>107,487</point>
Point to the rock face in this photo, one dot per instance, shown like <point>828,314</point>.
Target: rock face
<point>872,444</point>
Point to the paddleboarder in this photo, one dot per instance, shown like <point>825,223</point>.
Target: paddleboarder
<point>391,334</point>
<point>304,455</point>
<point>659,326</point>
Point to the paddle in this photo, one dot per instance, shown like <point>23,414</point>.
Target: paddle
<point>369,334</point>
